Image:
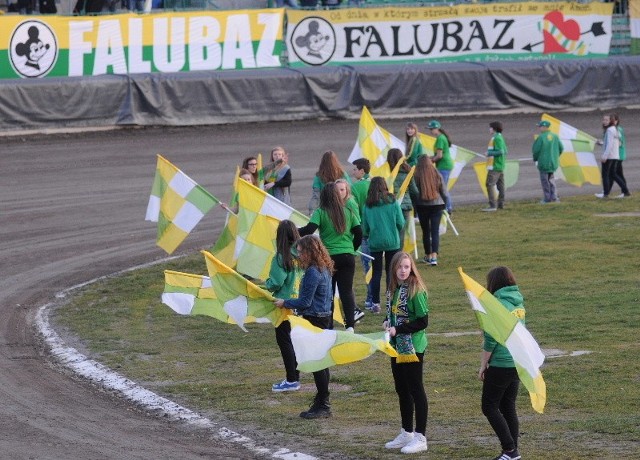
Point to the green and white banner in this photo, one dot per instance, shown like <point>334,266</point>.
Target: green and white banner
<point>471,32</point>
<point>56,46</point>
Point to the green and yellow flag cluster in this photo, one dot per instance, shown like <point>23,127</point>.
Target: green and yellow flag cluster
<point>318,349</point>
<point>505,328</point>
<point>511,173</point>
<point>177,203</point>
<point>578,163</point>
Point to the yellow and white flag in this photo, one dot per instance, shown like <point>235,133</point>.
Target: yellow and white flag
<point>177,203</point>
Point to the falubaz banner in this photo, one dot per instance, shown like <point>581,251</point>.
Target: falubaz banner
<point>470,32</point>
<point>54,46</point>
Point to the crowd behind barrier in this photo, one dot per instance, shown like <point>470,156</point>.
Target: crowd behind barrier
<point>78,7</point>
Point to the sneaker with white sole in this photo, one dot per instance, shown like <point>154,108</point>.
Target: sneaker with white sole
<point>512,455</point>
<point>600,195</point>
<point>358,315</point>
<point>285,386</point>
<point>375,308</point>
<point>417,444</point>
<point>489,209</point>
<point>400,441</point>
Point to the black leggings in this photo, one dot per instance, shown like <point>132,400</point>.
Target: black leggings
<point>283,337</point>
<point>499,393</point>
<point>407,378</point>
<point>345,270</point>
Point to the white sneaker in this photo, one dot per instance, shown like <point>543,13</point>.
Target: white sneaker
<point>622,195</point>
<point>599,195</point>
<point>349,329</point>
<point>417,444</point>
<point>401,440</point>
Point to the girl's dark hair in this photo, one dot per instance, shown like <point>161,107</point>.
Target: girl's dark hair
<point>499,277</point>
<point>331,203</point>
<point>379,193</point>
<point>496,126</point>
<point>446,135</point>
<point>315,253</point>
<point>393,156</point>
<point>330,168</point>
<point>286,236</point>
<point>245,165</point>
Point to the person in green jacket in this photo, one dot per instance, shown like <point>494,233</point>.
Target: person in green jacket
<point>382,222</point>
<point>284,282</point>
<point>496,157</point>
<point>498,372</point>
<point>393,157</point>
<point>413,146</point>
<point>546,150</point>
<point>442,157</point>
<point>359,190</point>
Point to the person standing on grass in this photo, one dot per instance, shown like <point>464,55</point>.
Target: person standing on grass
<point>429,205</point>
<point>622,153</point>
<point>442,158</point>
<point>283,282</point>
<point>611,159</point>
<point>406,322</point>
<point>546,150</point>
<point>382,222</point>
<point>341,233</point>
<point>498,372</point>
<point>359,190</point>
<point>413,145</point>
<point>496,153</point>
<point>314,304</point>
<point>277,175</point>
<point>329,170</point>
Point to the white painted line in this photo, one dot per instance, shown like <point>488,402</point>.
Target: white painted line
<point>101,375</point>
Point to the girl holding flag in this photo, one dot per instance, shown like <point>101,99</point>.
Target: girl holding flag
<point>498,373</point>
<point>284,281</point>
<point>277,176</point>
<point>407,319</point>
<point>314,304</point>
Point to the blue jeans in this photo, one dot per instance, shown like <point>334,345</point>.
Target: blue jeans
<point>445,182</point>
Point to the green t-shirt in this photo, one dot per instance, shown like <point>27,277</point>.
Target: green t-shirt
<point>446,162</point>
<point>336,243</point>
<point>360,190</point>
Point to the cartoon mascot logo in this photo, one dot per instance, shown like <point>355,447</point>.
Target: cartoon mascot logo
<point>313,40</point>
<point>33,49</point>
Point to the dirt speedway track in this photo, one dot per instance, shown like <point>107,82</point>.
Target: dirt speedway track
<point>72,209</point>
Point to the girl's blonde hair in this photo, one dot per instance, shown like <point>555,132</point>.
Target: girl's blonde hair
<point>414,281</point>
<point>427,178</point>
<point>285,154</point>
<point>347,185</point>
<point>315,253</point>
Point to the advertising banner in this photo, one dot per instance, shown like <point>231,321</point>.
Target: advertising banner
<point>471,32</point>
<point>55,46</point>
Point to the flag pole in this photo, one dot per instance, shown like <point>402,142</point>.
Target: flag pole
<point>453,227</point>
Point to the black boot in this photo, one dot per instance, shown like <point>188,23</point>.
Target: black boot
<point>320,408</point>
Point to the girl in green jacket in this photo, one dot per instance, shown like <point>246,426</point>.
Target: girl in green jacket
<point>284,282</point>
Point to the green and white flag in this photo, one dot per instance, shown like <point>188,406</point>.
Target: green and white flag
<point>177,203</point>
<point>505,328</point>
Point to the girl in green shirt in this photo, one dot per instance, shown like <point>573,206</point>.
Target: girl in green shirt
<point>442,157</point>
<point>414,147</point>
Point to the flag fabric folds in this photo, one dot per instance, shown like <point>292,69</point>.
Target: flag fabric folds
<point>511,173</point>
<point>505,328</point>
<point>177,204</point>
<point>240,298</point>
<point>318,349</point>
<point>258,216</point>
<point>578,163</point>
<point>460,156</point>
<point>373,144</point>
<point>189,294</point>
